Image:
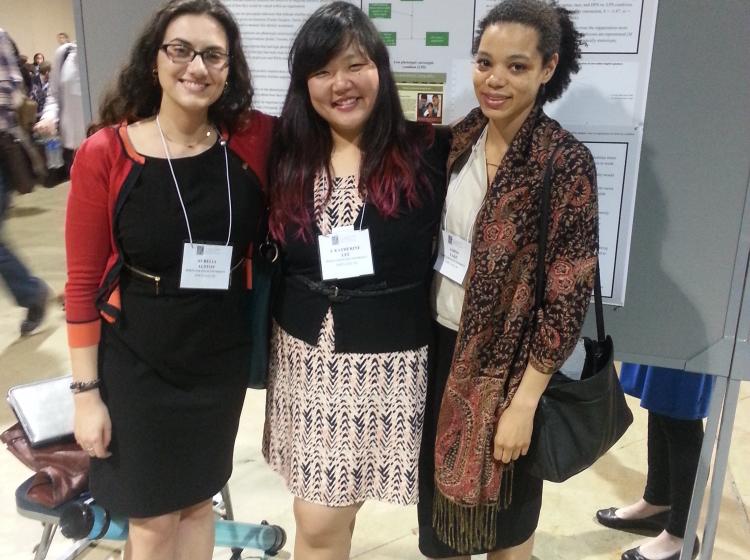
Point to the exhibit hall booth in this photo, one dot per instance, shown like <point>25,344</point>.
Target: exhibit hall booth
<point>661,101</point>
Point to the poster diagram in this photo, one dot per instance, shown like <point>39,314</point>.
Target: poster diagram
<point>413,24</point>
<point>423,37</point>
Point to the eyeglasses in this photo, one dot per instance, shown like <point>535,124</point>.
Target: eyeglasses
<point>213,59</point>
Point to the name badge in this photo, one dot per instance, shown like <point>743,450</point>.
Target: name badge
<point>345,254</point>
<point>453,257</point>
<point>205,266</point>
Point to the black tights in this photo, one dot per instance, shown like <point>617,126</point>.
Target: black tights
<point>673,452</point>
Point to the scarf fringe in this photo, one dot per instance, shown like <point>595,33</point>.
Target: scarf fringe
<point>471,529</point>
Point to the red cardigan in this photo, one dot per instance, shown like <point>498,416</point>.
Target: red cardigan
<point>106,167</point>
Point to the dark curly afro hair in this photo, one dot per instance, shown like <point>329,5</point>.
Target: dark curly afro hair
<point>557,34</point>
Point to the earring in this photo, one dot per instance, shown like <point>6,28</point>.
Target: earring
<point>155,75</point>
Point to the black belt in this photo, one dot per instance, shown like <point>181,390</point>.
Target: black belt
<point>336,294</point>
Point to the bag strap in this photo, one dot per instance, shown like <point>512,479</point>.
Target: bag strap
<point>541,253</point>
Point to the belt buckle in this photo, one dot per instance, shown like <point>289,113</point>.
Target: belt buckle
<point>334,295</point>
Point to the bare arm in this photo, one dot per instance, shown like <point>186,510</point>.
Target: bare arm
<point>93,428</point>
<point>514,429</point>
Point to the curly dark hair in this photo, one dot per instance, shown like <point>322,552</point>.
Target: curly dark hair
<point>557,34</point>
<point>137,96</point>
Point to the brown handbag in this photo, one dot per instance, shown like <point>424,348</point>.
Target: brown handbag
<point>26,113</point>
<point>22,164</point>
<point>62,469</point>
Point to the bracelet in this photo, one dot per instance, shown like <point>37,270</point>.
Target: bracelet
<point>83,386</point>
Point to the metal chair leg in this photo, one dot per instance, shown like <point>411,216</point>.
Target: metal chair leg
<point>48,532</point>
<point>236,552</point>
<point>227,503</point>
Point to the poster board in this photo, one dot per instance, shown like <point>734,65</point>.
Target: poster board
<point>684,280</point>
<point>430,44</point>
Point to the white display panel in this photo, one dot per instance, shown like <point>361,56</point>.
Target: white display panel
<point>430,47</point>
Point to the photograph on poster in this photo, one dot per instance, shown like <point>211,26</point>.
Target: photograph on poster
<point>422,95</point>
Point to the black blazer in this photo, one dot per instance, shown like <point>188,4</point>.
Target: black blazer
<point>398,318</point>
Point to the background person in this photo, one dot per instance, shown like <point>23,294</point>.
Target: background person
<point>38,59</point>
<point>348,369</point>
<point>40,87</point>
<point>494,356</point>
<point>28,291</point>
<point>677,401</point>
<point>63,107</point>
<point>159,381</point>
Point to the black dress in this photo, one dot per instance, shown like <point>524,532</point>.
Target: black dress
<point>174,367</point>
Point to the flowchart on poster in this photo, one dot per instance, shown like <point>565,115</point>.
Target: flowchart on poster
<point>430,43</point>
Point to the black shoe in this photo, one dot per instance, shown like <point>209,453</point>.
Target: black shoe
<point>36,312</point>
<point>652,523</point>
<point>635,553</point>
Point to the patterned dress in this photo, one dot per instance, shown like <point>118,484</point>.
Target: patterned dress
<point>342,428</point>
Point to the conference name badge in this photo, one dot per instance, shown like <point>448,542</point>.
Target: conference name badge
<point>206,266</point>
<point>345,253</point>
<point>453,257</point>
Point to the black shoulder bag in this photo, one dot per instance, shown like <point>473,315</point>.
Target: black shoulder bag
<point>266,268</point>
<point>577,421</point>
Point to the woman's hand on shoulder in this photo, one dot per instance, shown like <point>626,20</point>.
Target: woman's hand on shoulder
<point>93,427</point>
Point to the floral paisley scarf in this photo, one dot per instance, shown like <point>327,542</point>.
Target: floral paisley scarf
<point>495,339</point>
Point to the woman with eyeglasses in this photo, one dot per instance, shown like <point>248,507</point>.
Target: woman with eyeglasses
<point>165,206</point>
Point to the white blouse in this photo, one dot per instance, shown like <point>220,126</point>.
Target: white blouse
<point>466,191</point>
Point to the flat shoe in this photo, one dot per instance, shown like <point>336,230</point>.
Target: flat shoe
<point>36,311</point>
<point>655,523</point>
<point>635,553</point>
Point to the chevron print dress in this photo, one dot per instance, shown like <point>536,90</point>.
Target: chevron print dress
<point>342,428</point>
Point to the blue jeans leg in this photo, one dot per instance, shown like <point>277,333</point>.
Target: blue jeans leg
<point>26,289</point>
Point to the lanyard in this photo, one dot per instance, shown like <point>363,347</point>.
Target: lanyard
<point>177,187</point>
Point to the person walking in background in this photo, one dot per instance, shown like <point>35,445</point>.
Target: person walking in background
<point>356,194</point>
<point>40,86</point>
<point>27,290</point>
<point>63,107</point>
<point>677,401</point>
<point>38,59</point>
<point>161,216</point>
<point>494,354</point>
